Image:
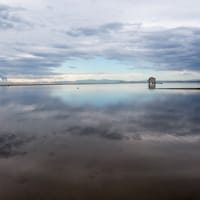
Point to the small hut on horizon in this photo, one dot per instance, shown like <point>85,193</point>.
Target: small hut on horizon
<point>152,82</point>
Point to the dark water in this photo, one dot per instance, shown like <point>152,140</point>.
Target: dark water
<point>99,142</point>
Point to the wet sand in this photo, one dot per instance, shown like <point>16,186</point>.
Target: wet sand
<point>89,169</point>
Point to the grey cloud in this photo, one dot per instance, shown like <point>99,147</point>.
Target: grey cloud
<point>40,62</point>
<point>61,46</point>
<point>9,18</point>
<point>171,49</point>
<point>164,49</point>
<point>79,33</point>
<point>27,67</point>
<point>94,31</point>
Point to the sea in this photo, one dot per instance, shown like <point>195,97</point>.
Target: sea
<point>100,142</point>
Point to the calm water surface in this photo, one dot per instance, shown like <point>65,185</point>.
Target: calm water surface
<point>99,142</point>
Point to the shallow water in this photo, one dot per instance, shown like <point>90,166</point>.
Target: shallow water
<point>99,142</point>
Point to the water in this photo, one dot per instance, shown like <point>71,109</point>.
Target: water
<point>99,142</point>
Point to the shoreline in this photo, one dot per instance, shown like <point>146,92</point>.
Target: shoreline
<point>46,84</point>
<point>59,84</point>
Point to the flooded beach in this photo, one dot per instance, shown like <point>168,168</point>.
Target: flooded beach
<point>82,142</point>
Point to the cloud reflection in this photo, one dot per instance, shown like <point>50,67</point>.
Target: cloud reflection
<point>135,116</point>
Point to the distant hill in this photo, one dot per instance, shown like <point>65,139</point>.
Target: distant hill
<point>101,81</point>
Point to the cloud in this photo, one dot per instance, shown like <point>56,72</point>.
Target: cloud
<point>103,29</point>
<point>172,49</point>
<point>36,40</point>
<point>166,49</point>
<point>9,18</point>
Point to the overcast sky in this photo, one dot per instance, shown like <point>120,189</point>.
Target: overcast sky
<point>95,39</point>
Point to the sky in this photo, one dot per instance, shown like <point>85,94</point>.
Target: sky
<point>50,40</point>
